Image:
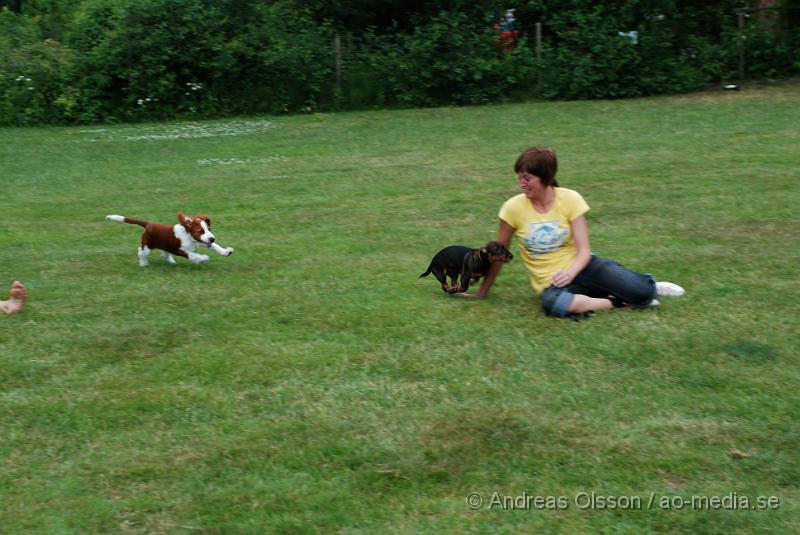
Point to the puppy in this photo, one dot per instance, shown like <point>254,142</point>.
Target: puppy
<point>469,264</point>
<point>182,239</point>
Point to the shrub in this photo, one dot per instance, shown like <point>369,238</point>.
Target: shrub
<point>33,74</point>
<point>452,59</point>
<point>280,61</point>
<point>113,60</point>
<point>147,59</point>
<point>585,56</point>
<point>137,59</point>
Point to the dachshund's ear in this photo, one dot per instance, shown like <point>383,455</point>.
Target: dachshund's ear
<point>184,220</point>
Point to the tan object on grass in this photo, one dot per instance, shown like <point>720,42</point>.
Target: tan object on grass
<point>14,304</point>
<point>738,454</point>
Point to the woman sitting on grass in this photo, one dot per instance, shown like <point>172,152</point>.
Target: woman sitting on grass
<point>550,225</point>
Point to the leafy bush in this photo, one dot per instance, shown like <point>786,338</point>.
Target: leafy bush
<point>33,74</point>
<point>144,59</point>
<point>111,60</point>
<point>452,59</point>
<point>768,52</point>
<point>591,55</point>
<point>280,61</point>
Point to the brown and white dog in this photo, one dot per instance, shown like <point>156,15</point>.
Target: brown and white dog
<point>182,239</point>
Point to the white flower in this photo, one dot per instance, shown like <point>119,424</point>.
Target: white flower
<point>191,130</point>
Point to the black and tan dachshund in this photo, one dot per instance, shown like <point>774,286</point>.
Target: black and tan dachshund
<point>469,264</point>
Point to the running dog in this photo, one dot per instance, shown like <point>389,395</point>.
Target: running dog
<point>182,239</point>
<point>470,264</point>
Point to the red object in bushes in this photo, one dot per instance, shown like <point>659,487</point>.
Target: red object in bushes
<point>509,40</point>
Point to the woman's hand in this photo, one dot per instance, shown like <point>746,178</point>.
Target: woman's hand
<point>562,278</point>
<point>503,236</point>
<point>580,233</point>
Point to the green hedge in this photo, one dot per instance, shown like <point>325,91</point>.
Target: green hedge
<point>127,60</point>
<point>34,73</point>
<point>147,59</point>
<point>448,60</point>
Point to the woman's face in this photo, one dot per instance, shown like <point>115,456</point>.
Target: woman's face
<point>530,184</point>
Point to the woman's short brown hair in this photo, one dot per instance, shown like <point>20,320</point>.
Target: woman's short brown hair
<point>539,161</point>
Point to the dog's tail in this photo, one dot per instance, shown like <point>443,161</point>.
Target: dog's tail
<point>123,219</point>
<point>427,272</point>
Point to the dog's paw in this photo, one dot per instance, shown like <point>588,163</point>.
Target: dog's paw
<point>228,251</point>
<point>199,258</point>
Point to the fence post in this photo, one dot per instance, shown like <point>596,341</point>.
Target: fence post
<point>538,56</point>
<point>337,45</point>
<point>740,13</point>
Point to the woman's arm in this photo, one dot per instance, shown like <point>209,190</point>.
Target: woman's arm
<point>503,236</point>
<point>580,233</point>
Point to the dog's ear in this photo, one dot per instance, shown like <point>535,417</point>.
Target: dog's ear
<point>184,220</point>
<point>204,218</point>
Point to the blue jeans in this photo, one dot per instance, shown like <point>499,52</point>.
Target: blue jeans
<point>601,278</point>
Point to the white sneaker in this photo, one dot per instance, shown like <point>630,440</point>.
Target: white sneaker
<point>669,289</point>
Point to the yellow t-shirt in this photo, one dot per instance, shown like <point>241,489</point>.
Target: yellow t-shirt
<point>545,240</point>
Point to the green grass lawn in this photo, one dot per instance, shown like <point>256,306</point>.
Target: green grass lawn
<point>311,383</point>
